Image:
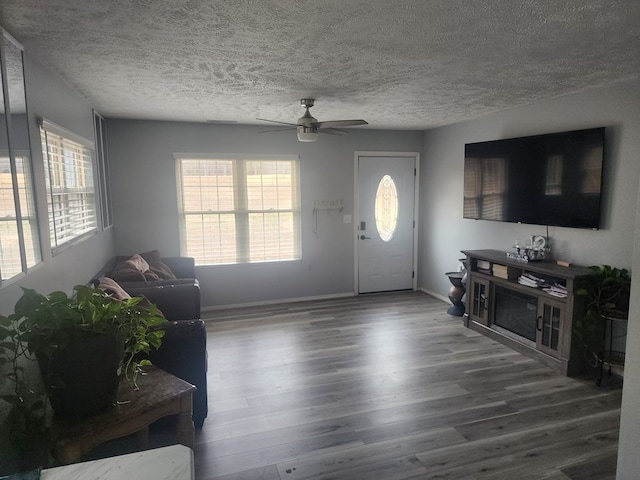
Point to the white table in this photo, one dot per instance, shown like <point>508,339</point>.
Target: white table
<point>167,463</point>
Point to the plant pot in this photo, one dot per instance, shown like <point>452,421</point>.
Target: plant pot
<point>82,377</point>
<point>29,440</point>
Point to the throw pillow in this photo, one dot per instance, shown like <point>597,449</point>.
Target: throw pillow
<point>139,262</point>
<point>127,271</point>
<point>135,269</point>
<point>110,286</point>
<point>157,266</point>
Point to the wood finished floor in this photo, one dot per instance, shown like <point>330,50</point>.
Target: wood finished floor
<point>391,387</point>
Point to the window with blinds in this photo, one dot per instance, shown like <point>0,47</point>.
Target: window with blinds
<point>71,198</point>
<point>239,210</point>
<point>19,240</point>
<point>19,236</point>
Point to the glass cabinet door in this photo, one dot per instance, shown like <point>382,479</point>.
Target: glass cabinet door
<point>550,320</point>
<point>479,300</point>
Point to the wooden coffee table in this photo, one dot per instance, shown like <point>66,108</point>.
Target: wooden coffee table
<point>160,394</point>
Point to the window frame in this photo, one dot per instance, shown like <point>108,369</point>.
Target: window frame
<point>24,208</point>
<point>28,257</point>
<point>47,127</point>
<point>240,210</point>
<point>104,170</point>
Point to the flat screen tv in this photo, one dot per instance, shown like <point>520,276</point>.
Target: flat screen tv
<point>552,179</point>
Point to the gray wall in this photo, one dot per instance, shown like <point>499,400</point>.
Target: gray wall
<point>145,206</point>
<point>628,460</point>
<point>50,97</point>
<point>443,230</point>
<point>146,211</point>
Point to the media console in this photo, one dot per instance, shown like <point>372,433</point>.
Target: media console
<point>534,320</point>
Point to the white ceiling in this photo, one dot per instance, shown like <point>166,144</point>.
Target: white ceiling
<point>404,64</point>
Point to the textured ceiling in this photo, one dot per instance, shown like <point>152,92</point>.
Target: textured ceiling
<point>410,64</point>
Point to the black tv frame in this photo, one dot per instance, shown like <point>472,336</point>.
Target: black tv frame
<point>523,199</point>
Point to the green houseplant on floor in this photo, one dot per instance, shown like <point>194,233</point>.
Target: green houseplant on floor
<point>606,293</point>
<point>83,344</point>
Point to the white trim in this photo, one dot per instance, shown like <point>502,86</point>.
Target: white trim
<point>61,229</point>
<point>58,249</point>
<point>102,170</point>
<point>11,39</point>
<point>59,130</point>
<point>356,223</point>
<point>436,295</point>
<point>231,156</point>
<point>416,219</point>
<point>17,153</point>
<point>182,232</point>
<point>275,302</point>
<point>240,210</point>
<point>356,209</point>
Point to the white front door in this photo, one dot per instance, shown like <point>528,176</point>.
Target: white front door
<point>385,223</point>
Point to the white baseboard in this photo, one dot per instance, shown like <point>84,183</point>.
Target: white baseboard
<point>437,295</point>
<point>275,302</point>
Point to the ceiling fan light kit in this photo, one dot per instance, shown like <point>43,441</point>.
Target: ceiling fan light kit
<point>307,134</point>
<point>308,127</point>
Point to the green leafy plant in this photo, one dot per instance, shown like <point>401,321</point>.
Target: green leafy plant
<point>27,418</point>
<point>41,324</point>
<point>44,323</point>
<point>606,292</point>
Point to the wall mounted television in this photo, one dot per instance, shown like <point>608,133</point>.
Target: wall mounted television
<point>553,179</point>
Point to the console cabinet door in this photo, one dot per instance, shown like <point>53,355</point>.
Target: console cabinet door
<point>479,300</point>
<point>550,326</point>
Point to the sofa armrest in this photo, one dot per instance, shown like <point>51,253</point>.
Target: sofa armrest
<point>176,301</point>
<point>104,271</point>
<point>183,353</point>
<point>182,267</point>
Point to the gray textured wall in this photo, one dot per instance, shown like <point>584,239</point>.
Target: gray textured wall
<point>146,215</point>
<point>145,206</point>
<point>443,230</point>
<point>628,460</point>
<point>55,100</point>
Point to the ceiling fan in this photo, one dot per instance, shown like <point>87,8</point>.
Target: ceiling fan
<point>308,127</point>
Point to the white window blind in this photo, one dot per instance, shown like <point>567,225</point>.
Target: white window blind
<point>71,199</point>
<point>239,210</point>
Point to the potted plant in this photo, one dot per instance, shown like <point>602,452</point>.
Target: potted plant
<point>606,291</point>
<point>25,411</point>
<point>83,344</point>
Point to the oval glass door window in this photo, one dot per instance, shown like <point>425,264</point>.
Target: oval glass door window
<point>386,208</point>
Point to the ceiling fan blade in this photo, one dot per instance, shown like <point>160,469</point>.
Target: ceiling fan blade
<point>276,121</point>
<point>277,130</point>
<point>332,131</point>
<point>339,123</point>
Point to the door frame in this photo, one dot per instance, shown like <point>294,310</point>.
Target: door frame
<point>356,210</point>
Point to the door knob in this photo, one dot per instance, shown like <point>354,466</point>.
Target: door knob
<point>362,237</point>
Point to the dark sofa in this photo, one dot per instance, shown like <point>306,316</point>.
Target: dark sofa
<point>177,299</point>
<point>183,352</point>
